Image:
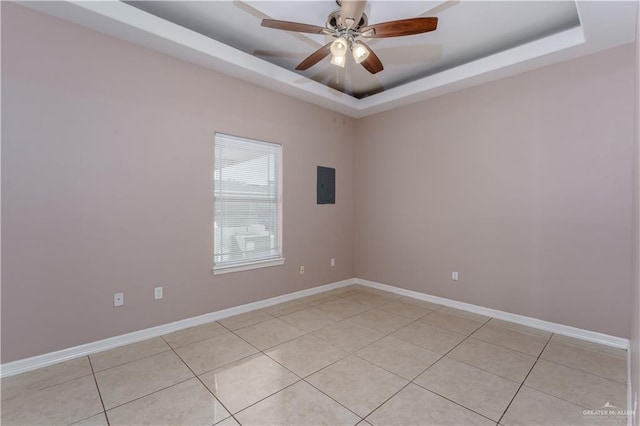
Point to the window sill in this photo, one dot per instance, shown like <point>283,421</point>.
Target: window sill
<point>248,266</point>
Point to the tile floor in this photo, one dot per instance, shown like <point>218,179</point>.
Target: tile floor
<point>344,357</point>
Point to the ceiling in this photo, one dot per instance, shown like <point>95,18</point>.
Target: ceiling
<point>493,26</point>
<point>476,42</point>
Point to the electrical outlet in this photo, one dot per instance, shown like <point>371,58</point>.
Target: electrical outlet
<point>454,276</point>
<point>333,262</point>
<point>301,270</point>
<point>157,293</point>
<point>118,299</point>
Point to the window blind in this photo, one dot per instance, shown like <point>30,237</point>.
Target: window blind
<point>246,201</point>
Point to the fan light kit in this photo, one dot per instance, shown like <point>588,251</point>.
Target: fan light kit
<point>346,25</point>
<point>341,45</point>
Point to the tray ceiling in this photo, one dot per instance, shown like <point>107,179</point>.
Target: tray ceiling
<point>476,41</point>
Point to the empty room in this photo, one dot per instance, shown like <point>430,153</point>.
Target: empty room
<point>320,213</point>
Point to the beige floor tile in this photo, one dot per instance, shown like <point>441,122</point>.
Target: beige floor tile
<point>405,309</point>
<point>399,357</point>
<point>357,384</point>
<point>455,323</point>
<point>533,408</point>
<point>576,386</point>
<point>519,327</point>
<point>595,362</point>
<point>344,308</point>
<point>618,352</point>
<point>129,381</point>
<point>244,320</point>
<point>306,354</point>
<point>97,420</point>
<point>310,319</point>
<point>269,333</point>
<point>465,314</point>
<point>414,406</point>
<point>247,381</point>
<point>215,352</point>
<point>370,299</point>
<point>348,335</point>
<point>495,359</point>
<point>382,321</point>
<point>482,392</point>
<point>61,404</point>
<point>422,303</point>
<point>285,308</point>
<point>194,334</point>
<point>433,338</point>
<point>364,423</point>
<point>317,299</point>
<point>41,378</point>
<point>187,403</point>
<point>299,404</point>
<point>511,339</point>
<point>127,353</point>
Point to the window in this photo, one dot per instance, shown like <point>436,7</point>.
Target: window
<point>247,204</point>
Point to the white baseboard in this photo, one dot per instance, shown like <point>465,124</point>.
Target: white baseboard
<point>27,364</point>
<point>565,330</point>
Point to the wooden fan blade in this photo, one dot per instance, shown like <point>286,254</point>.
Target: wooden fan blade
<point>315,57</point>
<point>372,63</point>
<point>351,11</point>
<point>402,27</point>
<point>292,26</point>
<point>255,12</point>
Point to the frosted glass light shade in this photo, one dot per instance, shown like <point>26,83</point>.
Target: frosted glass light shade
<point>339,47</point>
<point>359,52</point>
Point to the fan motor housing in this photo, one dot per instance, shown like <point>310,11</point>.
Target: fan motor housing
<point>334,18</point>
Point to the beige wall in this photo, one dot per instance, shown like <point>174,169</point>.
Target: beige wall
<point>523,186</point>
<point>107,167</point>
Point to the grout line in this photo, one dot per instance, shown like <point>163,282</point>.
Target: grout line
<point>584,371</point>
<point>133,360</point>
<point>304,379</point>
<point>93,373</point>
<point>150,393</point>
<point>262,352</point>
<point>224,331</point>
<point>25,393</point>
<point>525,379</point>
<point>332,398</point>
<point>205,386</point>
<point>375,341</point>
<point>412,381</point>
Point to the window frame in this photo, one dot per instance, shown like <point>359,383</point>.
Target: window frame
<point>252,264</point>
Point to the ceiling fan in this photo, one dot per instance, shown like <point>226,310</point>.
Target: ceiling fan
<point>348,25</point>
